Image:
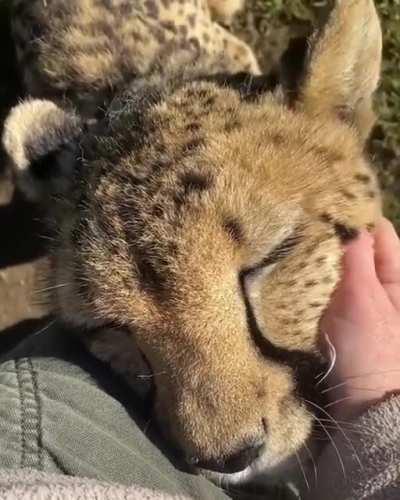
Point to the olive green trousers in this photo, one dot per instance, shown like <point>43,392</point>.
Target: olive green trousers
<point>62,411</point>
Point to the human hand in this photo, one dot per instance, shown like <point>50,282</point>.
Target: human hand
<point>363,323</point>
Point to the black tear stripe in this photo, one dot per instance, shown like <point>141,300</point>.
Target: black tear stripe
<point>306,366</point>
<point>345,233</point>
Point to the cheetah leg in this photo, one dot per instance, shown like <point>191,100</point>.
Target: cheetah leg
<point>224,10</point>
<point>239,53</point>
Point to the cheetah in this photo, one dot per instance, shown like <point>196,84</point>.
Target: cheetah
<point>200,211</point>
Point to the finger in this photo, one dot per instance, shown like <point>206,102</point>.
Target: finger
<point>387,259</point>
<point>358,262</point>
<point>387,252</point>
<point>357,282</point>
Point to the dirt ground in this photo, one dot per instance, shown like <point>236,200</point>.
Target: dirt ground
<point>21,257</point>
<point>22,235</point>
<point>267,26</point>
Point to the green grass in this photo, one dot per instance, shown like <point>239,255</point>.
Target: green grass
<point>385,143</point>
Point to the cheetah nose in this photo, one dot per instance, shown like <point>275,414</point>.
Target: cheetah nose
<point>235,463</point>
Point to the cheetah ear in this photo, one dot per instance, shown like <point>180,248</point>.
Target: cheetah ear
<point>343,65</point>
<point>225,10</point>
<point>40,140</point>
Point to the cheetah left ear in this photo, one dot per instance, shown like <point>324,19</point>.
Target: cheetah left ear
<point>225,10</point>
<point>343,65</point>
<point>41,140</point>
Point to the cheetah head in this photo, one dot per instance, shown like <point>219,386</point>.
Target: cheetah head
<point>202,227</point>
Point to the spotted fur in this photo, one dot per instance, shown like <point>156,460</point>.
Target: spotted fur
<point>87,49</point>
<point>200,220</point>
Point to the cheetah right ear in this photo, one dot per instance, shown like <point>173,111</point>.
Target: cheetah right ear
<point>40,140</point>
<point>343,65</point>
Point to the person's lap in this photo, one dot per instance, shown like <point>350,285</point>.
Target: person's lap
<point>62,411</point>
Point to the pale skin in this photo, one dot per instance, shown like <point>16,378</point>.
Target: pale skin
<point>363,323</point>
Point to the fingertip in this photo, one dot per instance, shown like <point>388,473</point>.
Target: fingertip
<point>359,257</point>
<point>363,244</point>
<point>387,252</point>
<point>385,227</point>
<point>363,237</point>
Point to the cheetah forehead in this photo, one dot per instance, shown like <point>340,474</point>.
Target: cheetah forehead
<point>199,132</point>
<point>165,170</point>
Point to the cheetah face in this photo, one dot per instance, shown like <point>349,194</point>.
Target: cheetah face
<point>209,227</point>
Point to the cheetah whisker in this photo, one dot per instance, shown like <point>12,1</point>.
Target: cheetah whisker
<point>340,429</point>
<point>333,358</point>
<point>369,374</point>
<point>345,423</point>
<point>50,288</point>
<point>145,376</point>
<point>315,469</point>
<point>302,471</point>
<point>46,327</point>
<point>335,447</point>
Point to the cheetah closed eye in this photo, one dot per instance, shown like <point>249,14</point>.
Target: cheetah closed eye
<point>200,215</point>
